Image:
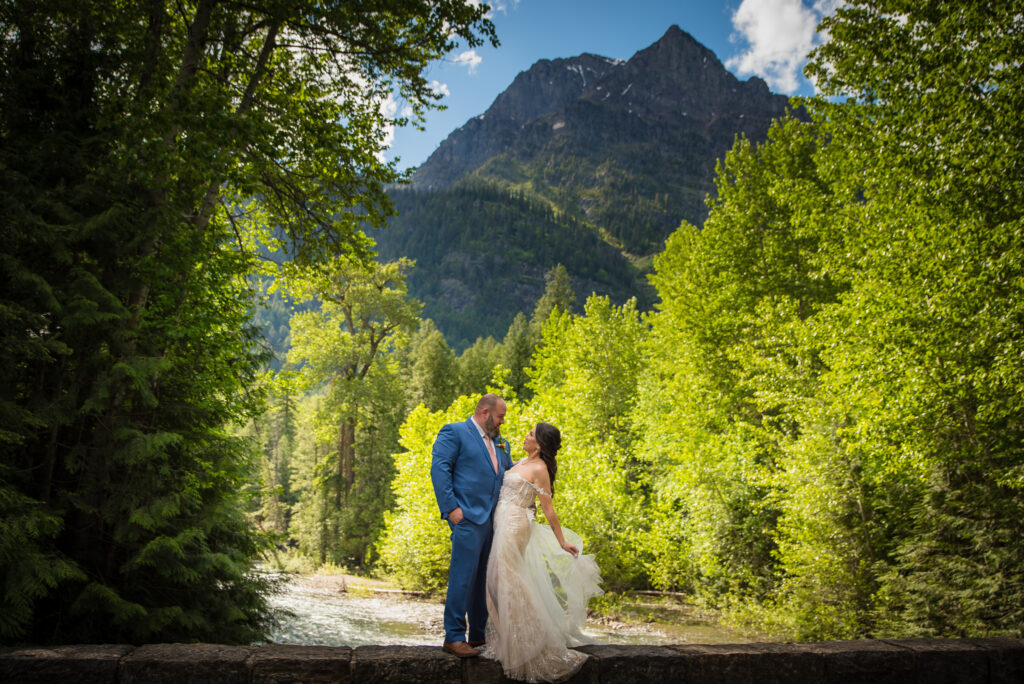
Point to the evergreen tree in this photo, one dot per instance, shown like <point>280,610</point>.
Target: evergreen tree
<point>275,431</point>
<point>516,352</point>
<point>433,377</point>
<point>476,365</point>
<point>558,296</point>
<point>144,151</point>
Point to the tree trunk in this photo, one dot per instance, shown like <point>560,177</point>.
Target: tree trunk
<point>346,458</point>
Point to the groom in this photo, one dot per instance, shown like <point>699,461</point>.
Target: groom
<point>467,471</point>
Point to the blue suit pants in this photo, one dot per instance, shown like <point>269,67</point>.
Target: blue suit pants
<point>467,581</point>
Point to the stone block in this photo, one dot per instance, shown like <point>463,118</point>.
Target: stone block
<point>482,671</point>
<point>288,664</point>
<point>85,664</point>
<point>187,664</point>
<point>865,661</point>
<point>588,674</point>
<point>406,665</point>
<point>765,663</point>
<point>626,664</point>
<point>945,661</point>
<point>487,671</point>
<point>1005,659</point>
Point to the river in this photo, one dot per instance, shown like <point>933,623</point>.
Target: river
<point>330,612</point>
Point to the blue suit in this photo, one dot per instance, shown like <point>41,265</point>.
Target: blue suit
<point>464,477</point>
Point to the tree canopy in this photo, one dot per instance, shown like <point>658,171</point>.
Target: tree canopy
<point>147,150</point>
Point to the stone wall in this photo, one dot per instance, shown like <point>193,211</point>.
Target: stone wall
<point>907,661</point>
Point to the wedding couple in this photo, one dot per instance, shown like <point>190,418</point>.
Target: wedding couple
<point>505,566</point>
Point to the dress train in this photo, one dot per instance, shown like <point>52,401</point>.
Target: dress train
<point>536,592</point>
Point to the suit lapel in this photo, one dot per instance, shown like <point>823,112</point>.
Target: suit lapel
<point>482,448</point>
<point>479,448</point>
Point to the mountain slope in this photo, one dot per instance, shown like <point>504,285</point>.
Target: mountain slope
<point>620,151</point>
<point>482,254</point>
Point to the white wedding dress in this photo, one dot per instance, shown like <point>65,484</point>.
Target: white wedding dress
<point>536,592</point>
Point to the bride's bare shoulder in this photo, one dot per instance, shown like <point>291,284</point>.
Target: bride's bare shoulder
<point>535,466</point>
<point>530,470</point>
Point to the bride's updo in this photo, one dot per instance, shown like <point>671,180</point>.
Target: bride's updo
<point>549,439</point>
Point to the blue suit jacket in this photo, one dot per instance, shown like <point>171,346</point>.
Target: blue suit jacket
<point>462,473</point>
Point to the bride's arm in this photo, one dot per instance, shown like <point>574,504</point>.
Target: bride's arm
<point>548,506</point>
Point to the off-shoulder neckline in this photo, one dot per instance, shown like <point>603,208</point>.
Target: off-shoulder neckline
<point>540,490</point>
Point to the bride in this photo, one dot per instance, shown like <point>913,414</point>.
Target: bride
<point>537,581</point>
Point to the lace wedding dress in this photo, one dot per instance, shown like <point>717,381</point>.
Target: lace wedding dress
<point>536,592</point>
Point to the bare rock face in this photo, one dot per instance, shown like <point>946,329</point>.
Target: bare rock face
<point>544,88</point>
<point>679,83</point>
<point>674,85</point>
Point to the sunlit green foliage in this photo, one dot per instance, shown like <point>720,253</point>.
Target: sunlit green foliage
<point>584,377</point>
<point>925,350</point>
<point>833,409</point>
<point>717,399</point>
<point>341,349</point>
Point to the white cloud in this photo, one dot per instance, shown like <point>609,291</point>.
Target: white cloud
<point>440,88</point>
<point>388,107</point>
<point>778,34</point>
<point>495,5</point>
<point>827,7</point>
<point>469,58</point>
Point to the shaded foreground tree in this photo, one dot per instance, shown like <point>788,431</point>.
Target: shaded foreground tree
<point>145,150</point>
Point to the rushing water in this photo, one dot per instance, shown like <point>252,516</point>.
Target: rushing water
<point>321,614</point>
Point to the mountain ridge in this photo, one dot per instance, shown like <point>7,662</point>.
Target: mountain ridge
<point>625,149</point>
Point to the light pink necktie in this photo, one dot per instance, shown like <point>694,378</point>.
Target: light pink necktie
<point>490,450</point>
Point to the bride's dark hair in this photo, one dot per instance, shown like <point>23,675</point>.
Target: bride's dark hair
<point>549,439</point>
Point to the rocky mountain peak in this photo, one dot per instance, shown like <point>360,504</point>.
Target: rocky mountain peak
<point>549,85</point>
<point>586,161</point>
<point>674,89</point>
<point>677,80</point>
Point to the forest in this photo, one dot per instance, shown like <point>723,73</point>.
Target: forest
<point>817,429</point>
<point>479,232</point>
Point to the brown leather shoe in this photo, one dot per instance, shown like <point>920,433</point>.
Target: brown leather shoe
<point>460,648</point>
<point>477,644</point>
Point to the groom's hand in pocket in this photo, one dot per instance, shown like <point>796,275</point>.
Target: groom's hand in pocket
<point>455,517</point>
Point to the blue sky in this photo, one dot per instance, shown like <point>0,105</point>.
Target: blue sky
<point>767,38</point>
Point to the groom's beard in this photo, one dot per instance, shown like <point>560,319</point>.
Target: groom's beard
<point>490,429</point>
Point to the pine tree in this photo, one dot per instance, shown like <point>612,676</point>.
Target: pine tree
<point>145,153</point>
<point>433,375</point>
